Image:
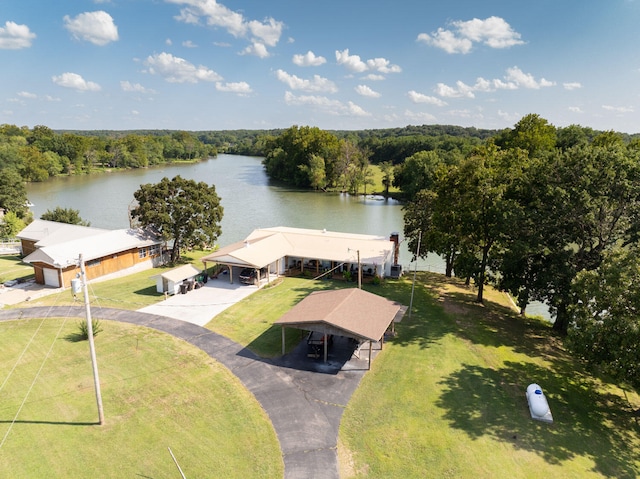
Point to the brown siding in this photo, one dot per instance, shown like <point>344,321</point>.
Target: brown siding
<point>28,246</point>
<point>96,268</point>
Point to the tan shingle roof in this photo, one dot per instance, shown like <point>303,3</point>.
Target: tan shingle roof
<point>354,312</point>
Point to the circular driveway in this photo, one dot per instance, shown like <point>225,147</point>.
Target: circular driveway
<point>305,407</point>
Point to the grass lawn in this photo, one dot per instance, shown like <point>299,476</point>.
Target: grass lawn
<point>12,267</point>
<point>158,392</point>
<point>446,398</point>
<point>132,292</point>
<point>250,322</point>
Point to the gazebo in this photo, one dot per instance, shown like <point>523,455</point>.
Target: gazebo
<point>351,312</point>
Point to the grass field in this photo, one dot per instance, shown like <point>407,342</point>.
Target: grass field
<point>158,392</point>
<point>11,267</point>
<point>445,397</point>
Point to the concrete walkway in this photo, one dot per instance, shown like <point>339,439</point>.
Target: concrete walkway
<point>304,399</point>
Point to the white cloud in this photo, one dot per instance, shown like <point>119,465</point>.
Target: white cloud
<point>364,90</point>
<point>374,77</point>
<point>572,85</point>
<point>494,32</point>
<point>134,87</point>
<point>239,88</point>
<point>26,94</point>
<point>95,27</point>
<point>168,42</point>
<point>419,116</point>
<point>75,81</point>
<point>460,90</point>
<point>526,80</point>
<point>15,37</point>
<point>309,59</point>
<point>256,49</point>
<point>618,109</point>
<point>261,34</point>
<point>447,41</point>
<point>333,107</point>
<point>189,44</point>
<point>317,84</point>
<point>513,80</point>
<point>416,97</point>
<point>178,70</point>
<point>575,109</point>
<point>355,64</point>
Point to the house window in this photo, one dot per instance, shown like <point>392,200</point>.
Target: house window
<point>154,250</point>
<point>93,262</point>
<point>142,252</point>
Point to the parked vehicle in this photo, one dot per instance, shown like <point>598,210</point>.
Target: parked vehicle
<point>248,276</point>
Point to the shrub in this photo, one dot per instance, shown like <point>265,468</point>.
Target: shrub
<point>83,330</point>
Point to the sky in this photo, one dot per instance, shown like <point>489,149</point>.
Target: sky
<point>339,65</point>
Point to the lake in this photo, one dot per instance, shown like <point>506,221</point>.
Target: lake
<point>250,200</point>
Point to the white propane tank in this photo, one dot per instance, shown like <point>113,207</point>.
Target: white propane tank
<point>538,404</point>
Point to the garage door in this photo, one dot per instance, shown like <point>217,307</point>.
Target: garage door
<point>51,277</point>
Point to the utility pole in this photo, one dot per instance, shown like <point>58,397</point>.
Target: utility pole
<point>359,272</point>
<point>415,271</point>
<point>92,349</point>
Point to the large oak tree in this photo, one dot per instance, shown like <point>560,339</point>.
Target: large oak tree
<point>184,212</point>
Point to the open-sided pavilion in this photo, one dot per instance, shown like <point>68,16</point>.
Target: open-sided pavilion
<point>350,312</point>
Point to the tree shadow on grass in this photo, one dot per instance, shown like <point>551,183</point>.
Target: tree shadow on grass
<point>588,421</point>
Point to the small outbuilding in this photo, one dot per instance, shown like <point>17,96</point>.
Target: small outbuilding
<point>171,281</point>
<point>351,312</point>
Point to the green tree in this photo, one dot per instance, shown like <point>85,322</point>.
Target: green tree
<point>605,324</point>
<point>64,215</point>
<point>11,225</point>
<point>316,172</point>
<point>288,155</point>
<point>184,212</point>
<point>579,203</point>
<point>417,173</point>
<point>430,223</point>
<point>532,133</point>
<point>13,192</point>
<point>386,167</point>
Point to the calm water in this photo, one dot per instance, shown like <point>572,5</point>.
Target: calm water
<point>249,200</point>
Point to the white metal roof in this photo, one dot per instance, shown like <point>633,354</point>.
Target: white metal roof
<point>61,255</point>
<point>46,233</point>
<point>181,273</point>
<point>266,245</point>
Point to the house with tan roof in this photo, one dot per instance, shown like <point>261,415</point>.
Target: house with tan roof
<point>54,248</point>
<point>281,249</point>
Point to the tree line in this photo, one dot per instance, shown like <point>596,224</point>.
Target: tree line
<point>544,214</point>
<point>40,153</point>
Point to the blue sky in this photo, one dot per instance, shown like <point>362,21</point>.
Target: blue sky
<point>348,64</point>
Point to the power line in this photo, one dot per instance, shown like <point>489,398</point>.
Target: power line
<point>33,383</point>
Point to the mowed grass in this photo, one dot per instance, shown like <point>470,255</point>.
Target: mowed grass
<point>12,267</point>
<point>158,393</point>
<point>446,398</point>
<point>250,322</point>
<point>132,292</point>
